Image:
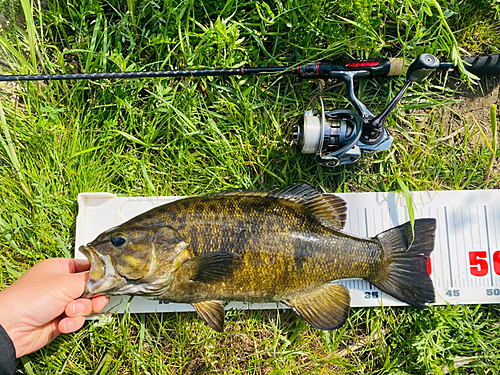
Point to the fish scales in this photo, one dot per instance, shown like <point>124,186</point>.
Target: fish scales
<point>254,246</point>
<point>282,247</point>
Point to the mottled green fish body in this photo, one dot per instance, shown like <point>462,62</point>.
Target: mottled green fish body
<point>259,246</point>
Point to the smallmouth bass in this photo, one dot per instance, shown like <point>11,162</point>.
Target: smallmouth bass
<point>285,245</point>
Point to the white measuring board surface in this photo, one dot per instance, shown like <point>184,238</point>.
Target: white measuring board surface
<point>465,264</point>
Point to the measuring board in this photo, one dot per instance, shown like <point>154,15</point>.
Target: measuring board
<point>464,266</point>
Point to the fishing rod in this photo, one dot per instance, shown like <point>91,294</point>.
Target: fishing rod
<point>337,137</point>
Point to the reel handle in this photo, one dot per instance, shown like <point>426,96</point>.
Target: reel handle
<point>420,69</point>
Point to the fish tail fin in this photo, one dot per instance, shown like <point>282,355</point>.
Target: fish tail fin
<point>403,269</point>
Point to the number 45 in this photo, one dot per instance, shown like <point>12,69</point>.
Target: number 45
<point>453,293</point>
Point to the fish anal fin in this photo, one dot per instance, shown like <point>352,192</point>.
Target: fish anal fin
<point>325,308</point>
<point>212,267</point>
<point>212,313</point>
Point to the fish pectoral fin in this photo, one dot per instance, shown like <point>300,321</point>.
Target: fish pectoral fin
<point>212,313</point>
<point>212,267</point>
<point>325,308</point>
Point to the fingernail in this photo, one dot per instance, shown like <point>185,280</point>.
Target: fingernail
<point>78,308</point>
<point>69,326</point>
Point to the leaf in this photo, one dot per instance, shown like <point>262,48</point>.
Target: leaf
<point>131,138</point>
<point>409,203</point>
<point>84,151</point>
<point>93,43</point>
<point>455,55</point>
<point>146,176</point>
<point>30,25</point>
<point>10,150</point>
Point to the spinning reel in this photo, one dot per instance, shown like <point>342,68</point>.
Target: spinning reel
<point>341,136</point>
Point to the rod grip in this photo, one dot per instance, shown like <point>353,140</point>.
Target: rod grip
<point>487,64</point>
<point>398,66</point>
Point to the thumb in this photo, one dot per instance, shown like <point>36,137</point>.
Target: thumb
<point>73,284</point>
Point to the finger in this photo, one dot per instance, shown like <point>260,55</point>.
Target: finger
<point>78,307</point>
<point>81,265</point>
<point>68,325</point>
<point>73,284</point>
<point>76,265</point>
<point>63,265</point>
<point>54,331</point>
<point>99,302</point>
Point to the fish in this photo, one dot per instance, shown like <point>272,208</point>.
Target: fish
<point>285,245</point>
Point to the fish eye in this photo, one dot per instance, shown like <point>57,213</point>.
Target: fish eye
<point>118,239</point>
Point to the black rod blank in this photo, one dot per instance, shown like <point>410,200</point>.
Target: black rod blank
<point>153,74</point>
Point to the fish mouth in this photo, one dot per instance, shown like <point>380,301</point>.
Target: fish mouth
<point>103,278</point>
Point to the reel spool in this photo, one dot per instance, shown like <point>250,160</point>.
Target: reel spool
<point>331,135</point>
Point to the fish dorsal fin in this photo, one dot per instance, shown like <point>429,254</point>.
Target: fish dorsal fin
<point>325,308</point>
<point>242,193</point>
<point>328,208</point>
<point>212,313</point>
<point>212,267</point>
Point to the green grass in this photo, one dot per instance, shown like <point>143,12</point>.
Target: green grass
<point>204,135</point>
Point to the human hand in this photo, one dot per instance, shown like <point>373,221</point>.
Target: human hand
<point>45,302</point>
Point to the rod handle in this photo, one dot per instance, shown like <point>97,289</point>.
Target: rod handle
<point>481,65</point>
<point>398,66</point>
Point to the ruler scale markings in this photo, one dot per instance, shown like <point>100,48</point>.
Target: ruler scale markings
<point>359,223</point>
<point>433,256</point>
<point>488,243</point>
<point>440,248</point>
<point>471,279</point>
<point>475,230</point>
<point>448,242</point>
<point>460,228</point>
<point>455,245</point>
<point>481,227</point>
<point>349,220</point>
<point>466,233</point>
<point>366,224</point>
<point>483,281</point>
<point>380,221</point>
<point>462,266</point>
